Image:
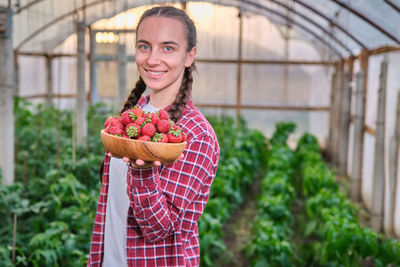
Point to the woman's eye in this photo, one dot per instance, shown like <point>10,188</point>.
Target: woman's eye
<point>143,47</point>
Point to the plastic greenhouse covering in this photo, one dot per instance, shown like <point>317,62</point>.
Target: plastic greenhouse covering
<point>278,55</point>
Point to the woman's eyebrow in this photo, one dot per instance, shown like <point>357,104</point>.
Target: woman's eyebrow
<point>163,43</point>
<point>142,41</point>
<point>170,42</point>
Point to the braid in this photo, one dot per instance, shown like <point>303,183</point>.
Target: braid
<point>183,96</point>
<point>135,95</point>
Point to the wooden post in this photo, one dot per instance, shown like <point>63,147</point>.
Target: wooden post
<point>49,80</point>
<point>336,115</point>
<point>122,87</point>
<point>239,67</point>
<point>379,161</point>
<point>6,97</point>
<point>81,105</point>
<point>393,171</point>
<point>355,178</point>
<point>364,65</point>
<point>345,124</point>
<point>94,98</point>
<point>331,115</point>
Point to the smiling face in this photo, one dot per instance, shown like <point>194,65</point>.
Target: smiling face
<point>161,54</point>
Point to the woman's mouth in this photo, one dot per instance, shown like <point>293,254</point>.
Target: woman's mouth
<point>155,74</point>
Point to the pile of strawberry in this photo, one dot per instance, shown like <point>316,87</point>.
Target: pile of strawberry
<point>145,126</point>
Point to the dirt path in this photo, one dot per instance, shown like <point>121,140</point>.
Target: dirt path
<point>237,230</point>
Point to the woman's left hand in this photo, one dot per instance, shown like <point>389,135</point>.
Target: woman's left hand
<point>141,164</point>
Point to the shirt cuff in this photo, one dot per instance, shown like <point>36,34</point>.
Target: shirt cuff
<point>144,177</point>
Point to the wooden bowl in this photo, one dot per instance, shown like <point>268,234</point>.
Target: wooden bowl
<point>134,149</point>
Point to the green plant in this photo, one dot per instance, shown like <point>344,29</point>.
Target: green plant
<point>270,243</point>
<point>338,238</point>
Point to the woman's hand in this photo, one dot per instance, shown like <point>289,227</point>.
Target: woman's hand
<point>141,164</point>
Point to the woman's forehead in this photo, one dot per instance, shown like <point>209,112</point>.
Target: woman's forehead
<point>161,29</point>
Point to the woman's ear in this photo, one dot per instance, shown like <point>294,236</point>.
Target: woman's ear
<point>190,57</point>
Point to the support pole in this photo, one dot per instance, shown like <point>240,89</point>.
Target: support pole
<point>81,105</point>
<point>355,178</point>
<point>94,97</point>
<point>122,87</point>
<point>49,80</point>
<point>336,115</point>
<point>345,124</point>
<point>16,74</point>
<point>388,222</point>
<point>331,115</point>
<point>7,149</point>
<point>239,67</point>
<point>379,161</point>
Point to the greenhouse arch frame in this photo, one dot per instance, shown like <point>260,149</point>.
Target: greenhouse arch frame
<point>352,32</point>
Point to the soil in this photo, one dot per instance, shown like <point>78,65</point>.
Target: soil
<point>237,230</point>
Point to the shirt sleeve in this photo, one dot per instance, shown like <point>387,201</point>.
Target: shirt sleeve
<point>159,211</point>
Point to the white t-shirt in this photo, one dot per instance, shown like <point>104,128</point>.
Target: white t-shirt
<point>117,211</point>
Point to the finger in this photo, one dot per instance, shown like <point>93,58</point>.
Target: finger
<point>125,159</point>
<point>157,163</point>
<point>139,162</point>
<point>181,156</point>
<point>109,154</point>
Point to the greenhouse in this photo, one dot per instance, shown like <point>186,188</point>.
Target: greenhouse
<point>303,97</point>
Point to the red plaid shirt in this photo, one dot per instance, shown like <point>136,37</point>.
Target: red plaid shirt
<point>165,202</point>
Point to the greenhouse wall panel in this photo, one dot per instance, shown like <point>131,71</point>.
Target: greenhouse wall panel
<point>368,169</point>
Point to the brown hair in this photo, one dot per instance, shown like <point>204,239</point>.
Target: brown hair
<point>185,90</point>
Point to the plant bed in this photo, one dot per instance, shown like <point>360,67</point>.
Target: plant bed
<point>337,238</point>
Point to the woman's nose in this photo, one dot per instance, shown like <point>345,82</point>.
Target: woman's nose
<point>154,58</point>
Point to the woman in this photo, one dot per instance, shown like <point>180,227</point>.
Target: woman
<point>147,213</point>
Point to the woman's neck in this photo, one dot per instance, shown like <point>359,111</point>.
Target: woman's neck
<point>161,99</point>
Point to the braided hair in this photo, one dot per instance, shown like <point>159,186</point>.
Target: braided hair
<point>185,90</point>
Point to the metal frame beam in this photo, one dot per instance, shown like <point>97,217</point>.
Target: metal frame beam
<point>393,5</point>
<point>62,17</point>
<point>333,23</point>
<point>367,19</point>
<point>289,9</point>
<point>305,28</point>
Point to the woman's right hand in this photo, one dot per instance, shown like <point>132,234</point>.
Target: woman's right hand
<point>141,164</point>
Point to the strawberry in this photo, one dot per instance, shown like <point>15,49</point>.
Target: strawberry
<point>132,130</point>
<point>153,117</point>
<point>142,121</point>
<point>149,129</point>
<point>127,117</point>
<point>115,131</point>
<point>113,122</point>
<point>125,136</point>
<point>107,122</point>
<point>160,138</point>
<point>107,130</point>
<point>174,136</point>
<point>163,115</point>
<point>184,136</point>
<point>171,123</point>
<point>138,112</point>
<point>144,138</point>
<point>163,126</point>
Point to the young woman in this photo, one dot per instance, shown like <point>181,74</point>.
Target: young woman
<point>147,213</point>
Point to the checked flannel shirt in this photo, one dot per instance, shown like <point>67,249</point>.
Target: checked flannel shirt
<point>165,202</point>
